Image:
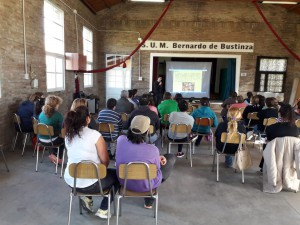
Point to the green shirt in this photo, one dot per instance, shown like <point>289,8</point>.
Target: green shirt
<point>55,121</point>
<point>166,107</point>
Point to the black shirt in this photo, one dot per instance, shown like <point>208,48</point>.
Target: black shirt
<point>264,114</point>
<point>281,129</point>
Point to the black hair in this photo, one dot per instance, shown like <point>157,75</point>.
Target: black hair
<point>178,97</point>
<point>111,103</point>
<point>249,94</point>
<point>136,138</point>
<point>167,95</point>
<point>183,105</point>
<point>204,101</point>
<point>130,93</point>
<point>144,100</point>
<point>287,112</point>
<point>262,100</point>
<point>269,102</point>
<point>75,121</point>
<point>234,94</point>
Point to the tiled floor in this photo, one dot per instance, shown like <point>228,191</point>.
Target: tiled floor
<point>190,196</point>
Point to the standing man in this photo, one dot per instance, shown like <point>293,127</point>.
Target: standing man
<point>158,90</point>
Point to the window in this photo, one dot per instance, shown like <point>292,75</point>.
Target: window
<point>270,74</point>
<point>118,78</point>
<point>88,51</point>
<point>54,47</point>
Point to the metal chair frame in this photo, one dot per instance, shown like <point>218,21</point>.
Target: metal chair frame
<point>87,169</point>
<point>43,129</point>
<point>190,143</point>
<point>4,159</point>
<point>207,122</point>
<point>137,171</point>
<point>108,128</point>
<point>226,138</point>
<point>17,121</point>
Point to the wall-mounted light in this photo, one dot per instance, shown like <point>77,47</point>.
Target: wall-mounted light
<point>280,2</point>
<point>146,0</point>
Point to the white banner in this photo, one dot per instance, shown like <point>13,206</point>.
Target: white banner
<point>198,46</point>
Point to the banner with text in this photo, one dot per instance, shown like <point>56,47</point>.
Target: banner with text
<point>198,46</point>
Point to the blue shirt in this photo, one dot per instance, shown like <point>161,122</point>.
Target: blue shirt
<point>110,116</point>
<point>204,111</point>
<point>25,112</point>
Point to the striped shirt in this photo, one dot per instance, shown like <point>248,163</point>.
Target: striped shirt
<point>110,116</point>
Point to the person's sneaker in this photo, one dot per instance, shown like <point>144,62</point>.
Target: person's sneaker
<point>87,204</point>
<point>180,154</point>
<point>102,214</point>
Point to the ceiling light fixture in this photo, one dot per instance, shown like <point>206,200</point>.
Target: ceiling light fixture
<point>280,2</point>
<point>147,0</point>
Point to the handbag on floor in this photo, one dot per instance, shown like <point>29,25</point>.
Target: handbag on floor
<point>242,158</point>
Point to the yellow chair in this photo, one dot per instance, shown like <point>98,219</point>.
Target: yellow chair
<point>206,122</point>
<point>17,123</point>
<point>137,171</point>
<point>297,122</point>
<point>252,117</point>
<point>183,129</point>
<point>226,138</point>
<point>45,130</point>
<point>109,128</point>
<point>87,169</point>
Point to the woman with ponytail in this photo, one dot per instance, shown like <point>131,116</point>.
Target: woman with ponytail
<point>51,117</point>
<point>234,125</point>
<point>84,143</point>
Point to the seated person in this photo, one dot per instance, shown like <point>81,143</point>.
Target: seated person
<point>254,107</point>
<point>226,104</point>
<point>83,102</point>
<point>38,104</point>
<point>123,104</point>
<point>180,118</point>
<point>84,143</point>
<point>297,110</point>
<point>145,111</point>
<point>25,112</point>
<point>203,111</point>
<point>167,106</point>
<point>285,127</point>
<point>134,148</point>
<point>152,105</point>
<point>234,125</point>
<point>51,117</point>
<point>109,115</point>
<point>249,97</point>
<point>267,112</point>
<point>240,102</point>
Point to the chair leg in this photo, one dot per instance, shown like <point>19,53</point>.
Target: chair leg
<point>108,217</point>
<point>24,143</point>
<point>118,207</point>
<point>70,208</point>
<point>217,167</point>
<point>35,149</point>
<point>62,163</point>
<point>214,160</point>
<point>156,209</point>
<point>243,178</point>
<point>15,141</point>
<point>37,159</point>
<point>190,147</point>
<point>56,166</point>
<point>212,144</point>
<point>4,159</point>
<point>80,207</point>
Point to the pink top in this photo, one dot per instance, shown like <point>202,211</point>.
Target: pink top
<point>239,105</point>
<point>153,108</point>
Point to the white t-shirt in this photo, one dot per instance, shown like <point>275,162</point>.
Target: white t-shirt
<point>179,118</point>
<point>82,148</point>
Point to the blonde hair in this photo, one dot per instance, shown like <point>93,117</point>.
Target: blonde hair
<point>51,103</point>
<point>233,116</point>
<point>78,102</point>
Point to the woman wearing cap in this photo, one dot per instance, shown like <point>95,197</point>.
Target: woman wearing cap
<point>134,147</point>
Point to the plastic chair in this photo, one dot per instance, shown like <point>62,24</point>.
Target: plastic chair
<point>17,123</point>
<point>226,138</point>
<point>87,169</point>
<point>183,129</point>
<point>137,171</point>
<point>206,122</point>
<point>108,128</point>
<point>45,130</point>
<point>1,149</point>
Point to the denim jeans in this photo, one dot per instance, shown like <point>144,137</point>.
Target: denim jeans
<point>228,160</point>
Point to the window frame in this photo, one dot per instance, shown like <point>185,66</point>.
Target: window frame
<point>89,62</point>
<point>56,55</point>
<point>267,73</point>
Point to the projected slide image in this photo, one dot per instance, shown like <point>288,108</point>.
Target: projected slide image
<point>187,81</point>
<point>188,86</point>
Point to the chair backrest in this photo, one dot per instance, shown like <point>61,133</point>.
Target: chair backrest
<point>107,128</point>
<point>204,121</point>
<point>234,138</point>
<point>166,117</point>
<point>269,121</point>
<point>124,117</point>
<point>87,169</point>
<point>35,122</point>
<point>297,122</point>
<point>63,132</point>
<point>252,116</point>
<point>17,121</point>
<point>137,171</point>
<point>181,128</point>
<point>45,130</point>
